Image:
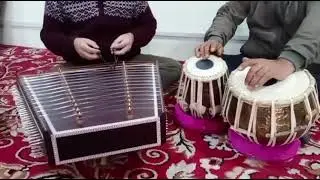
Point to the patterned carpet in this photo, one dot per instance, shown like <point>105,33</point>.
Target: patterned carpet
<point>186,154</point>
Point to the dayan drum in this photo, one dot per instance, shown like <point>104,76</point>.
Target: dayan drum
<point>268,122</point>
<point>200,93</point>
<point>82,113</point>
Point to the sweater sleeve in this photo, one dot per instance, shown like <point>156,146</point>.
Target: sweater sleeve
<point>304,47</point>
<point>145,25</point>
<point>228,17</point>
<point>52,33</point>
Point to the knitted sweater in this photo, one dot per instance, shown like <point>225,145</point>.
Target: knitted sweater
<point>100,21</point>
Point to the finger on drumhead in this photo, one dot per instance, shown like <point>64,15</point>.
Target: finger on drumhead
<point>197,51</point>
<point>220,51</point>
<point>213,47</point>
<point>201,50</point>
<point>252,74</point>
<point>246,62</point>
<point>263,80</point>
<point>245,59</point>
<point>257,77</point>
<point>206,50</point>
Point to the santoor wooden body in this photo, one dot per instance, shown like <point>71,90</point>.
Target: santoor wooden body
<point>120,108</point>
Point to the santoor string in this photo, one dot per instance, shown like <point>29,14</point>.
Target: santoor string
<point>95,69</point>
<point>79,118</point>
<point>86,78</point>
<point>57,91</point>
<point>30,127</point>
<point>53,97</point>
<point>85,75</point>
<point>52,81</point>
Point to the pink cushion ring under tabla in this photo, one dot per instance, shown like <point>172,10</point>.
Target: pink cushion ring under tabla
<point>260,152</point>
<point>215,125</point>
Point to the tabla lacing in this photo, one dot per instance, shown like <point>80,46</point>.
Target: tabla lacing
<point>273,138</point>
<point>200,109</point>
<point>252,119</point>
<point>180,90</point>
<point>238,112</point>
<point>293,125</point>
<point>273,134</point>
<point>309,111</point>
<point>220,89</point>
<point>223,103</point>
<point>316,97</point>
<point>192,105</point>
<point>212,110</point>
<point>196,81</point>
<point>183,103</point>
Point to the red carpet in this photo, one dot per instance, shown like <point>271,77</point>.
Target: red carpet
<point>185,155</point>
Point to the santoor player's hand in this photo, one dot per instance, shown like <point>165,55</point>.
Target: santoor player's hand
<point>122,44</point>
<point>86,48</point>
<point>262,70</point>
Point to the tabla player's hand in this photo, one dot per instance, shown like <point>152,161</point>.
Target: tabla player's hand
<point>262,70</point>
<point>122,44</point>
<point>209,47</point>
<point>86,48</point>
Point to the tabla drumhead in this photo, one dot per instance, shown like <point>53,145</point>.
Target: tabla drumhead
<point>205,69</point>
<point>280,92</point>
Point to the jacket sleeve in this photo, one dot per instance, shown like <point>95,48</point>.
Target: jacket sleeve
<point>227,19</point>
<point>145,25</point>
<point>304,47</point>
<point>52,33</point>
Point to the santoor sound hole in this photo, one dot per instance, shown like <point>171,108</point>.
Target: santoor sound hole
<point>204,64</point>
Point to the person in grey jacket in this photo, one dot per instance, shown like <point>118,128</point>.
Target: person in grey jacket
<point>284,37</point>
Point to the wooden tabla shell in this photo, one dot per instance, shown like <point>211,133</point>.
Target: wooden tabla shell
<point>200,91</point>
<point>274,115</point>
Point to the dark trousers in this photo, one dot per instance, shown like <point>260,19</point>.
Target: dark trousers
<point>233,61</point>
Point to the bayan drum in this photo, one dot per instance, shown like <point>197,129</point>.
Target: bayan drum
<point>81,113</point>
<point>267,122</point>
<point>200,93</point>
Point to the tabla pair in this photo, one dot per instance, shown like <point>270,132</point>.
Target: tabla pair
<point>265,123</point>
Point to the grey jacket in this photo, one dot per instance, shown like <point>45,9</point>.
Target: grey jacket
<point>286,29</point>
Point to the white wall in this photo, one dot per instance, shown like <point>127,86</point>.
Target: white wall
<point>181,26</point>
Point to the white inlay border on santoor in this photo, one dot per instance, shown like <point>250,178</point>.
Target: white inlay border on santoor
<point>296,84</point>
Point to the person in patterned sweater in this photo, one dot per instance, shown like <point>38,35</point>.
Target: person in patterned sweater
<point>85,32</point>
